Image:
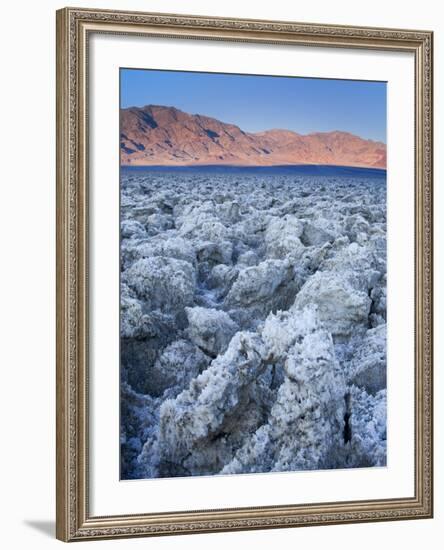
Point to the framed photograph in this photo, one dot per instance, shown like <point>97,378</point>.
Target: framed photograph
<point>244,274</point>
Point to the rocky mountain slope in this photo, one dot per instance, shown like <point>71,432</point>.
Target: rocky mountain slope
<point>158,135</point>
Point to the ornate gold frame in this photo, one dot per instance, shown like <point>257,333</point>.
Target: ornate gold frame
<point>73,519</point>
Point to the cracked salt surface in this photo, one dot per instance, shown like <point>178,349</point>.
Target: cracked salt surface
<point>253,311</point>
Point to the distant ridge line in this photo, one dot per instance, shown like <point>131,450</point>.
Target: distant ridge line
<point>165,136</point>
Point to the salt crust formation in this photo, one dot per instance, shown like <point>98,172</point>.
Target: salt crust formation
<point>253,335</point>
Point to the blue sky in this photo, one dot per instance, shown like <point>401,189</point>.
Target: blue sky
<point>257,103</point>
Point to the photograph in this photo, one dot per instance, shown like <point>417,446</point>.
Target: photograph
<point>244,294</point>
<point>253,274</point>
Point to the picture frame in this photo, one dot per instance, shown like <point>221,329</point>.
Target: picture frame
<point>76,519</point>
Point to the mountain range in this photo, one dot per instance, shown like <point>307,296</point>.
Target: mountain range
<point>161,135</point>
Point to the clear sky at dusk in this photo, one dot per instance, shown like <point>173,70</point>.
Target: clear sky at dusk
<point>257,103</point>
